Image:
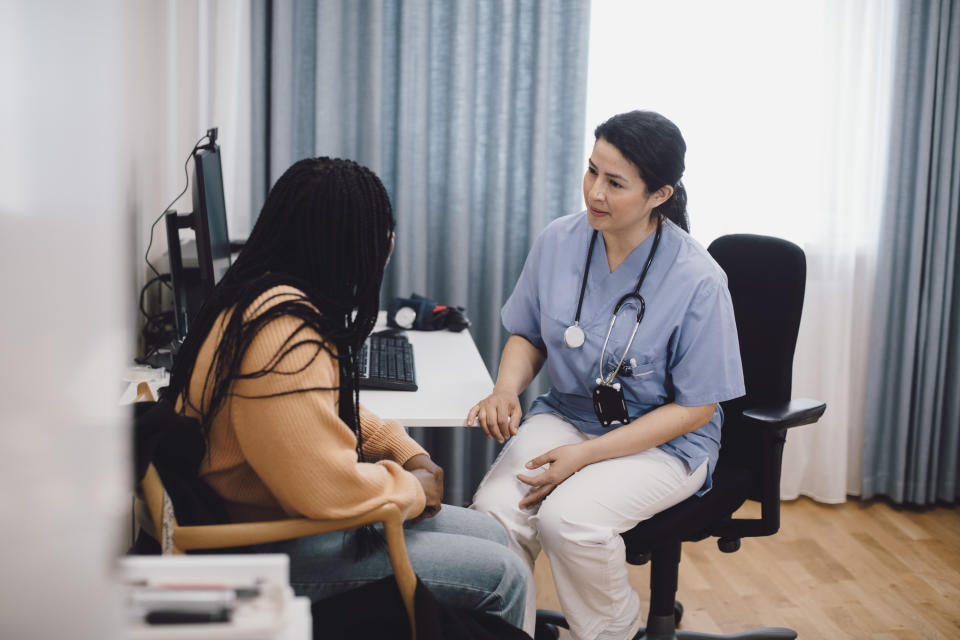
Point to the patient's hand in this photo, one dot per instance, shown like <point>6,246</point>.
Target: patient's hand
<point>430,475</point>
<point>498,415</point>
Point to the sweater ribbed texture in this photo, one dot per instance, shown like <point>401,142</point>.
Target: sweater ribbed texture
<point>292,455</point>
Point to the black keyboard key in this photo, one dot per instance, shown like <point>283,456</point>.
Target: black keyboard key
<point>387,362</point>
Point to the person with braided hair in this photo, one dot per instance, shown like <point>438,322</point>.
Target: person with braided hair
<point>270,370</point>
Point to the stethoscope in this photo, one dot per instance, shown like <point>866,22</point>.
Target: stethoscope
<point>573,336</point>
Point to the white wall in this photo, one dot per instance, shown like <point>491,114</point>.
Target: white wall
<point>100,103</point>
<point>82,147</point>
<point>200,78</point>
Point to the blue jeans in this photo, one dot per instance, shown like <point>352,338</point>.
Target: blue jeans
<point>459,554</point>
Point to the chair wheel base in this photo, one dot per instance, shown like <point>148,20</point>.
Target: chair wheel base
<point>548,625</point>
<point>660,628</point>
<point>728,545</point>
<point>664,630</point>
<point>546,632</point>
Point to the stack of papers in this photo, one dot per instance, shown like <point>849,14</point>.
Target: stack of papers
<point>186,597</point>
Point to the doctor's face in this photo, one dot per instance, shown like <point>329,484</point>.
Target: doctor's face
<point>616,196</point>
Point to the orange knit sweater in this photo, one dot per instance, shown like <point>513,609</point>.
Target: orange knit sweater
<point>271,458</point>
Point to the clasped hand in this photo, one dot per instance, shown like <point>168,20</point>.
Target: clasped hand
<point>430,475</point>
<point>563,462</point>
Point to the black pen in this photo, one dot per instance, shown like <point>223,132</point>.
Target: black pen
<point>179,616</point>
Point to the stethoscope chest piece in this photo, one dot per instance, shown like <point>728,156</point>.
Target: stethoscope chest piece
<point>573,337</point>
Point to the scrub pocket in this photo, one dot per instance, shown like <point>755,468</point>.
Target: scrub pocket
<point>645,383</point>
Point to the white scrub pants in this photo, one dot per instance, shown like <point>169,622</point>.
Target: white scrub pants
<point>578,525</point>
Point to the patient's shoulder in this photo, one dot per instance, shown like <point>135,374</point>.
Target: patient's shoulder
<point>273,297</point>
<point>286,342</point>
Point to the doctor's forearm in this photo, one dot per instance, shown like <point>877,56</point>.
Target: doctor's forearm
<point>653,429</point>
<point>519,364</point>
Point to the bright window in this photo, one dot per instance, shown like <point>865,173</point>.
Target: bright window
<point>743,81</point>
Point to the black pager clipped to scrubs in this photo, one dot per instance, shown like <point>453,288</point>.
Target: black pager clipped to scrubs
<point>609,404</point>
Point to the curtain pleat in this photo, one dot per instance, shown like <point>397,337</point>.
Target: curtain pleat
<point>472,115</point>
<point>912,435</point>
<point>261,26</point>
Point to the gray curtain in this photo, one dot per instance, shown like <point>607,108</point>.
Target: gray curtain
<point>912,434</point>
<point>471,112</point>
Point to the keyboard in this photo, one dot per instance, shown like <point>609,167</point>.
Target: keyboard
<point>386,362</point>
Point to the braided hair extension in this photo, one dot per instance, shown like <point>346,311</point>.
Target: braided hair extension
<point>324,229</point>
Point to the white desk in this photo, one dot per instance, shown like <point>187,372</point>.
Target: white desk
<point>451,378</point>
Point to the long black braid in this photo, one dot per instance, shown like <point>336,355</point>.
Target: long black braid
<point>325,229</point>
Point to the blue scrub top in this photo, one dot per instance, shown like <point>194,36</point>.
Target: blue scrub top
<point>686,349</point>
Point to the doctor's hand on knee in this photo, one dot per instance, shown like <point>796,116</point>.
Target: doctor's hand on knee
<point>561,462</point>
<point>498,415</point>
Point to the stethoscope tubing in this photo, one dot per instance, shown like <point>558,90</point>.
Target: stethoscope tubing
<point>636,326</point>
<point>633,295</point>
<point>641,308</point>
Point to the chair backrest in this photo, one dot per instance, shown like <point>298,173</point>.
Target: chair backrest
<point>766,277</point>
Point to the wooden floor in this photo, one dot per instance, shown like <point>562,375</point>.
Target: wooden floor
<point>854,570</point>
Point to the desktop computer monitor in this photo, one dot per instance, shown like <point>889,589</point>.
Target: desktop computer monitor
<point>208,221</point>
<point>210,212</point>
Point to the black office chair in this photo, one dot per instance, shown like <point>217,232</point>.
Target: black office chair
<point>766,277</point>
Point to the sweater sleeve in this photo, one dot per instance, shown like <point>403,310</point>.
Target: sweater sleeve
<point>288,428</point>
<point>386,440</point>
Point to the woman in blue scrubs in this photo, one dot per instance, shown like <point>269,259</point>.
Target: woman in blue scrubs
<point>631,423</point>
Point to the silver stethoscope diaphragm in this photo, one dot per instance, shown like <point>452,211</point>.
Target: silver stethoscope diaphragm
<point>573,337</point>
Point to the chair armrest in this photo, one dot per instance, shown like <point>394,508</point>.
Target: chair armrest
<point>785,415</point>
<point>248,533</point>
<point>772,422</point>
<point>240,534</point>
